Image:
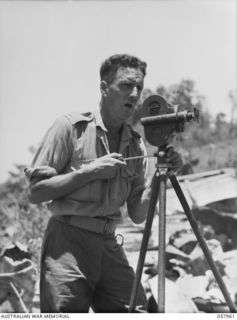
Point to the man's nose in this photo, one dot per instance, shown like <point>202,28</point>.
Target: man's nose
<point>134,92</point>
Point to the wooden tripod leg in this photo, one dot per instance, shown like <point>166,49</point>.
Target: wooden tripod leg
<point>162,236</point>
<point>145,240</point>
<point>201,240</point>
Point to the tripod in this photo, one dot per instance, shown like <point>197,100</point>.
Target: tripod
<point>159,189</point>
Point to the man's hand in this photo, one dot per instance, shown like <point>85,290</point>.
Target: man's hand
<point>106,167</point>
<point>174,158</point>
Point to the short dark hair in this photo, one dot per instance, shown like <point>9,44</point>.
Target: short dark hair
<point>110,66</point>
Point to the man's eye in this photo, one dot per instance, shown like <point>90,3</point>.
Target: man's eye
<point>139,88</point>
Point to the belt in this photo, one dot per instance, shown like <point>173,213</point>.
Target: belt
<point>97,225</point>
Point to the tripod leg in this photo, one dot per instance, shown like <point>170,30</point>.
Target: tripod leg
<point>145,239</point>
<point>162,236</point>
<point>201,241</point>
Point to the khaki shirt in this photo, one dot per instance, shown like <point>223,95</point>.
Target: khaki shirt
<point>71,143</point>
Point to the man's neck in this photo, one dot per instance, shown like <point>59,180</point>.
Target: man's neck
<point>112,125</point>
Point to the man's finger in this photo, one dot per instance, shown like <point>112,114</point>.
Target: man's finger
<point>121,161</point>
<point>115,155</point>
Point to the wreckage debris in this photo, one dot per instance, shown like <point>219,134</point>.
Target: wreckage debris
<point>187,271</point>
<point>17,279</point>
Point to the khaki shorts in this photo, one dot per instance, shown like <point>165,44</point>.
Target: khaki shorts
<point>81,269</point>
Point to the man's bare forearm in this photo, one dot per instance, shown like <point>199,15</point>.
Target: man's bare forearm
<point>138,208</point>
<point>60,185</point>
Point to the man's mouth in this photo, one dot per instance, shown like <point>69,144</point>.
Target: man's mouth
<point>128,105</point>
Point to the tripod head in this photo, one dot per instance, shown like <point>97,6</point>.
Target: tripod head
<point>162,120</point>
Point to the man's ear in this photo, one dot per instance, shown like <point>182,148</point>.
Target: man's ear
<point>103,88</point>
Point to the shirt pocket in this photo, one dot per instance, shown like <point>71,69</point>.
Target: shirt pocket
<point>92,191</point>
<point>83,155</point>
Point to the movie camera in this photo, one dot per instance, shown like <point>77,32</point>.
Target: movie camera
<point>162,120</point>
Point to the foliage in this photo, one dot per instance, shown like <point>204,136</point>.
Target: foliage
<point>19,219</point>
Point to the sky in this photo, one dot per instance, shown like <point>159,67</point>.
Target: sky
<point>51,52</point>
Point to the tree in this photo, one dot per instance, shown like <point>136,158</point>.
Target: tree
<point>233,99</point>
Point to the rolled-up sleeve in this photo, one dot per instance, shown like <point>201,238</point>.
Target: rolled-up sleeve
<point>55,149</point>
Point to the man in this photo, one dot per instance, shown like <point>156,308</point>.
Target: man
<point>80,168</point>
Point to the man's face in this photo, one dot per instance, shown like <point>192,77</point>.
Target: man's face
<point>123,93</point>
